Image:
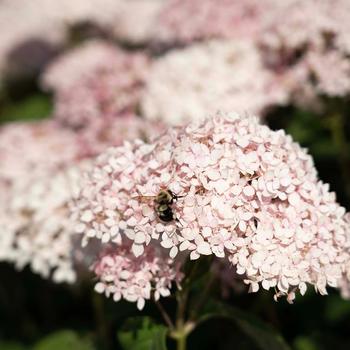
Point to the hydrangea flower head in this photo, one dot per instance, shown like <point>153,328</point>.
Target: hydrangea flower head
<point>186,84</point>
<point>42,239</point>
<point>22,21</point>
<point>96,81</point>
<point>36,147</point>
<point>245,192</point>
<point>186,21</point>
<point>309,40</point>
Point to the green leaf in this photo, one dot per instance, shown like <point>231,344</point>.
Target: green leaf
<point>337,309</point>
<point>264,336</point>
<point>304,343</point>
<point>63,340</point>
<point>11,346</point>
<point>141,333</point>
<point>37,106</point>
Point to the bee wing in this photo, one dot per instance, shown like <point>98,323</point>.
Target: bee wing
<point>145,199</point>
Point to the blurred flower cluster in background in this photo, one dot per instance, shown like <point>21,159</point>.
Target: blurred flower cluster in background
<point>174,172</point>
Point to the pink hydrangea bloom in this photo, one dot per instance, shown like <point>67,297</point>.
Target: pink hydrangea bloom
<point>97,80</point>
<point>35,158</point>
<point>36,147</point>
<point>40,207</point>
<point>78,63</point>
<point>309,40</point>
<point>186,21</point>
<point>21,21</point>
<point>187,84</point>
<point>6,238</point>
<point>135,279</point>
<point>247,193</point>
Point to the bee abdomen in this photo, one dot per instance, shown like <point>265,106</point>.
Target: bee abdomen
<point>165,213</point>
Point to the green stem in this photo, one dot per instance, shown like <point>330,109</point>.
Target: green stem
<point>181,333</point>
<point>182,328</point>
<point>181,343</point>
<point>184,325</point>
<point>101,324</point>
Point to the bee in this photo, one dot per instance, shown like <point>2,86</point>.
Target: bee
<point>163,202</point>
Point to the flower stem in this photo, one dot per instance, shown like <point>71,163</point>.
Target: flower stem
<point>185,321</point>
<point>165,315</point>
<point>181,333</point>
<point>181,343</point>
<point>101,323</point>
<point>182,328</point>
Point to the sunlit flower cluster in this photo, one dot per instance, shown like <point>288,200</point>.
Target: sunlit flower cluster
<point>190,83</point>
<point>247,193</point>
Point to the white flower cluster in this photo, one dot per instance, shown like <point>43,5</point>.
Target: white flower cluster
<point>188,84</point>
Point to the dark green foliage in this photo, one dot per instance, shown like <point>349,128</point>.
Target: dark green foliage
<point>142,334</point>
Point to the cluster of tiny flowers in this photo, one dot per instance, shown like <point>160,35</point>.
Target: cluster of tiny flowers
<point>187,21</point>
<point>37,147</point>
<point>187,84</point>
<point>22,21</point>
<point>34,216</point>
<point>307,41</point>
<point>135,279</point>
<point>310,41</point>
<point>6,238</point>
<point>245,192</point>
<point>96,81</point>
<point>42,240</point>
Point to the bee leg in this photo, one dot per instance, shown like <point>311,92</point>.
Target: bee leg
<point>176,197</point>
<point>177,220</point>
